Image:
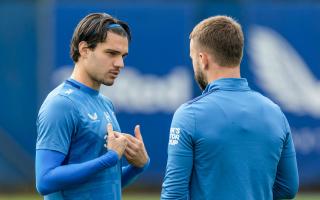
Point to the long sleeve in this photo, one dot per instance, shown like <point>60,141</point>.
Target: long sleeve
<point>52,176</point>
<point>180,156</point>
<point>130,173</point>
<point>287,179</point>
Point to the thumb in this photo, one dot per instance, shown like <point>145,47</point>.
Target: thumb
<point>110,129</point>
<point>137,132</point>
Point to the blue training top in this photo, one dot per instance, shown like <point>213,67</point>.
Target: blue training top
<point>230,143</point>
<point>71,128</point>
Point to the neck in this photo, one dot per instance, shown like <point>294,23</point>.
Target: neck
<point>80,75</point>
<point>223,72</point>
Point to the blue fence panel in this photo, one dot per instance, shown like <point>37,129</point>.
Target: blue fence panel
<point>18,93</point>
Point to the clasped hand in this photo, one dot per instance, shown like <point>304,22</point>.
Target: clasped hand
<point>131,146</point>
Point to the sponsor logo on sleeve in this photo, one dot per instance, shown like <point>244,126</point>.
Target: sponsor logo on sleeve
<point>174,136</point>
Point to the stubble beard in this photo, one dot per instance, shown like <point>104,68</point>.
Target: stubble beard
<point>202,82</point>
<point>106,83</point>
<point>101,81</point>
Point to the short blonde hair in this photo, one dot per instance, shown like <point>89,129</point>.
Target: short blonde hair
<point>222,36</point>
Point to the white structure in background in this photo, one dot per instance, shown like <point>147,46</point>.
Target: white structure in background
<point>134,92</point>
<point>306,140</point>
<point>282,73</point>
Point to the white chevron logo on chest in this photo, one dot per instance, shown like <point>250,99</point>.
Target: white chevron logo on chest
<point>93,116</point>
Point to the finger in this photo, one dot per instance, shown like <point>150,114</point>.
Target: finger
<point>137,132</point>
<point>110,129</point>
<point>130,152</point>
<point>127,135</point>
<point>132,147</point>
<point>117,134</point>
<point>130,138</point>
<point>128,156</point>
<point>132,141</point>
<point>123,139</point>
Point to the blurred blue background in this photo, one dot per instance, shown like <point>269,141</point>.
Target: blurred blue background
<point>280,60</point>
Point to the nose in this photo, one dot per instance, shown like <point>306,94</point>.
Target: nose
<point>119,62</point>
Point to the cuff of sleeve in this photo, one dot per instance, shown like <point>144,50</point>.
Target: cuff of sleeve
<point>110,158</point>
<point>113,153</point>
<point>138,170</point>
<point>146,165</point>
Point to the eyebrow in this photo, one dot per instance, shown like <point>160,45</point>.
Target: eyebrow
<point>115,51</point>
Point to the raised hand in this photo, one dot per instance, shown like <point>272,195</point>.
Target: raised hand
<point>135,152</point>
<point>116,141</point>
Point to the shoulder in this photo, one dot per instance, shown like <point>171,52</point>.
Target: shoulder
<point>267,102</point>
<point>272,108</point>
<point>191,107</point>
<point>107,101</point>
<point>184,109</point>
<point>201,97</point>
<point>58,100</point>
<point>184,116</point>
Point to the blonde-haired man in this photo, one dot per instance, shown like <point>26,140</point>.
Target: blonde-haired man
<point>230,142</point>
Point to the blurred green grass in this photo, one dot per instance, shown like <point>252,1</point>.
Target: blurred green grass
<point>139,197</point>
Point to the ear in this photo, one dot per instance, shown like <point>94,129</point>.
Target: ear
<point>204,60</point>
<point>83,49</point>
